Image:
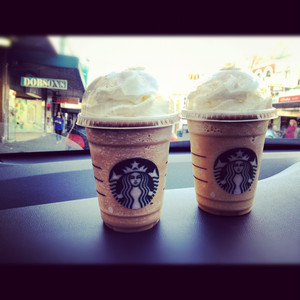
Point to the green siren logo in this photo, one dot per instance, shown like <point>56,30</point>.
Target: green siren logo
<point>235,170</point>
<point>133,182</point>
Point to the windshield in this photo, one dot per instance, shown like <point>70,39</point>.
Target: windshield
<point>43,79</point>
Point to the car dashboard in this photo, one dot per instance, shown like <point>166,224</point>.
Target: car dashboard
<point>49,216</point>
<point>41,178</point>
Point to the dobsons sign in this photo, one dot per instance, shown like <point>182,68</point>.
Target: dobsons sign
<point>44,83</point>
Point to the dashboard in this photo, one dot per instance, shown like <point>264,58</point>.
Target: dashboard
<point>32,179</point>
<point>49,217</point>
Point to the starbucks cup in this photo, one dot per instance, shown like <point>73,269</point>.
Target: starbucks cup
<point>226,150</point>
<point>130,160</point>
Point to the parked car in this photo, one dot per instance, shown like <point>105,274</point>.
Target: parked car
<point>271,134</point>
<point>76,138</point>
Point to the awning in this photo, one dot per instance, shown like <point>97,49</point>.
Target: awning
<point>70,110</point>
<point>294,104</point>
<point>46,65</point>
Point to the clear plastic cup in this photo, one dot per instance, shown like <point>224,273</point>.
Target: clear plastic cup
<point>129,160</point>
<point>226,149</point>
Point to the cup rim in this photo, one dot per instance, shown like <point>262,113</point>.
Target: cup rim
<point>230,116</point>
<point>129,123</point>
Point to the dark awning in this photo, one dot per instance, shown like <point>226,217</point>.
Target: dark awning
<point>70,110</point>
<point>42,62</point>
<point>287,104</point>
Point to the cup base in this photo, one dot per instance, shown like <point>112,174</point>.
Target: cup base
<point>224,212</point>
<point>132,229</point>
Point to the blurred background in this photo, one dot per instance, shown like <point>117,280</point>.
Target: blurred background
<point>43,75</point>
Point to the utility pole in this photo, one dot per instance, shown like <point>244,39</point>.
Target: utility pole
<point>4,95</point>
<point>62,45</point>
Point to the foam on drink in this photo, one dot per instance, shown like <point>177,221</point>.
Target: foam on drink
<point>129,94</point>
<point>229,90</point>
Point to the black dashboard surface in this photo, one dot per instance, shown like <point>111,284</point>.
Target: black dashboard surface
<point>50,223</point>
<point>39,179</point>
<point>72,232</point>
<point>50,215</point>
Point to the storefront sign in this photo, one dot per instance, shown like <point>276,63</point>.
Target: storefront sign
<point>44,83</point>
<point>293,98</point>
<point>66,100</point>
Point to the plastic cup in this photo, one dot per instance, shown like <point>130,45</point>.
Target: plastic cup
<point>130,165</point>
<point>226,154</point>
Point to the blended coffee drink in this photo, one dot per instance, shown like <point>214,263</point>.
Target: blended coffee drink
<point>129,126</point>
<point>227,119</point>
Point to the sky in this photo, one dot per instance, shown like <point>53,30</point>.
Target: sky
<point>172,58</point>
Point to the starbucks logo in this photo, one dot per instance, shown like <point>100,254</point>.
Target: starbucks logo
<point>235,170</point>
<point>133,182</point>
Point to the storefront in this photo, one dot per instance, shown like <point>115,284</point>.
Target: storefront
<point>288,107</point>
<point>282,77</point>
<point>39,82</point>
<point>70,107</point>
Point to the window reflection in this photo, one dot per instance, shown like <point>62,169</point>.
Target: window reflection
<point>41,76</point>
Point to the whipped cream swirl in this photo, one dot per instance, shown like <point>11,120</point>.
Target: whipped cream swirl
<point>129,94</point>
<point>229,90</point>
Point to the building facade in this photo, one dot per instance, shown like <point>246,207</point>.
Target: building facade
<point>36,83</point>
<point>282,76</point>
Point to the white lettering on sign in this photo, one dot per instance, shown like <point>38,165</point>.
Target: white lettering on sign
<point>44,83</point>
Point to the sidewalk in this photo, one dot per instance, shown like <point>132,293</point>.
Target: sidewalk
<point>33,142</point>
<point>38,142</point>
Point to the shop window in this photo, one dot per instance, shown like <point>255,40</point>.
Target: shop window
<point>31,113</point>
<point>259,73</point>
